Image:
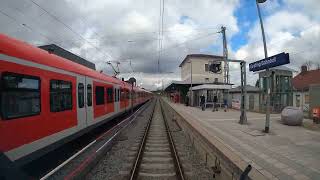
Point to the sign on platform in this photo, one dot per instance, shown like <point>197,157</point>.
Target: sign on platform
<point>273,61</point>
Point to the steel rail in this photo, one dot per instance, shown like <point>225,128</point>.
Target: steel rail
<point>177,163</point>
<point>53,171</point>
<point>135,169</point>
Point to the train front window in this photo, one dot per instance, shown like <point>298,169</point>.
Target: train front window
<point>60,95</point>
<point>20,95</point>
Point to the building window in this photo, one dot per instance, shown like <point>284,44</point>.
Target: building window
<point>20,95</point>
<point>206,67</point>
<point>89,95</point>
<point>215,80</point>
<point>99,95</point>
<point>306,99</point>
<point>60,95</point>
<point>206,80</point>
<point>109,95</point>
<point>298,100</point>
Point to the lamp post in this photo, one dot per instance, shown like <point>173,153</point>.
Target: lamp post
<point>267,124</point>
<point>191,92</point>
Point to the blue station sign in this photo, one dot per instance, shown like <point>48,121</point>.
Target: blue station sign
<point>273,61</point>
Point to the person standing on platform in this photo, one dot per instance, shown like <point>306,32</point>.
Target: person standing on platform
<point>215,100</point>
<point>187,100</point>
<point>202,102</point>
<point>225,104</point>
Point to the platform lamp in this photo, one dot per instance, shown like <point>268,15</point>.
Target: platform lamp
<point>267,124</point>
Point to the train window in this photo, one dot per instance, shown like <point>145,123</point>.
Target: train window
<point>118,94</point>
<point>80,95</point>
<point>109,95</point>
<point>122,95</point>
<point>115,95</point>
<point>60,95</point>
<point>89,95</point>
<point>99,95</point>
<point>20,95</point>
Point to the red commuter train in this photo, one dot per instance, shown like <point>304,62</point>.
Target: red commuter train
<point>47,100</point>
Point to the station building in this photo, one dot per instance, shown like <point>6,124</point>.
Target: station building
<point>195,72</point>
<point>281,89</point>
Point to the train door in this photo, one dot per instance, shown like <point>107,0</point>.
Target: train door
<point>89,97</point>
<point>81,108</point>
<point>116,98</point>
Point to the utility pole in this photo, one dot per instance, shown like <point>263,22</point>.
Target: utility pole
<point>225,55</point>
<point>226,63</point>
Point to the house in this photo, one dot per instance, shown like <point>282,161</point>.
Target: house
<point>306,89</point>
<point>196,67</point>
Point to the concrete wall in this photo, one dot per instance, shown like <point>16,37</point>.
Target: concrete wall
<point>199,74</point>
<point>213,153</point>
<point>255,96</point>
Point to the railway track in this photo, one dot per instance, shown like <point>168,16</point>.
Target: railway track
<point>157,157</point>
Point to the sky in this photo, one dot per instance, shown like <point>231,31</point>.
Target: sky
<point>127,31</point>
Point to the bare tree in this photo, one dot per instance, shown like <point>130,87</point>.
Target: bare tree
<point>308,64</point>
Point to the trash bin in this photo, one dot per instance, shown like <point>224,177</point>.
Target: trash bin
<point>316,115</point>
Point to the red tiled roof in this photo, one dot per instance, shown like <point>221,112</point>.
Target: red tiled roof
<point>303,80</point>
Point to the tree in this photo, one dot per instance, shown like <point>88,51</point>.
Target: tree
<point>308,64</point>
<point>257,83</point>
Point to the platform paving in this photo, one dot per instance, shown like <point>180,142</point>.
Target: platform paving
<point>287,152</point>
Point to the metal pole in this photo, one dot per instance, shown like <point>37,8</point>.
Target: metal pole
<point>243,116</point>
<point>267,124</point>
<point>191,92</point>
<point>226,63</point>
<point>225,55</point>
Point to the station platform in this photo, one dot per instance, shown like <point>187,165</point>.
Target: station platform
<point>287,152</point>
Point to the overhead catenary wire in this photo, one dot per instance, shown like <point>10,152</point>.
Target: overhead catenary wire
<point>164,50</point>
<point>68,27</point>
<point>18,11</point>
<point>27,27</point>
<point>159,36</point>
<point>33,30</point>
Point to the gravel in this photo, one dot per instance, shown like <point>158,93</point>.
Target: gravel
<point>190,159</point>
<point>117,158</point>
<point>117,161</point>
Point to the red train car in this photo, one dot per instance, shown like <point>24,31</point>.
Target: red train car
<point>47,100</point>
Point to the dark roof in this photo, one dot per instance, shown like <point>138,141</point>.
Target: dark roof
<point>52,48</point>
<point>200,55</point>
<point>249,88</point>
<point>304,79</point>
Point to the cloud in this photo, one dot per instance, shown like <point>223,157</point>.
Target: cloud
<point>122,30</point>
<point>127,30</point>
<point>287,30</point>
